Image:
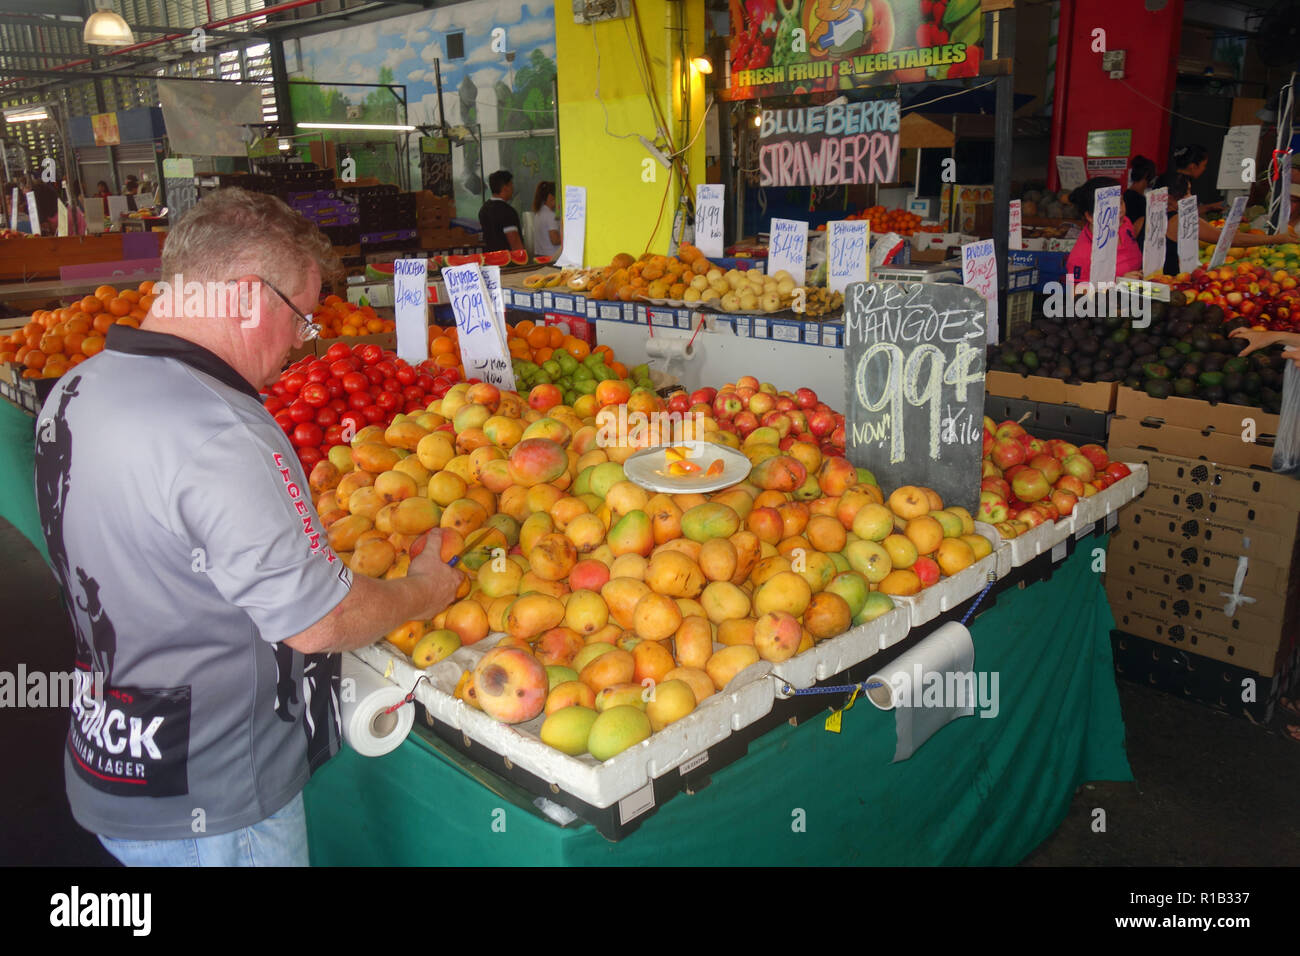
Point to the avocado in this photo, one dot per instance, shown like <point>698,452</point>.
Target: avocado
<point>1240,398</point>
<point>1184,386</point>
<point>1155,370</point>
<point>1213,362</point>
<point>1030,359</point>
<point>1133,381</point>
<point>1190,370</point>
<point>1213,394</point>
<point>1233,381</point>
<point>1159,389</point>
<point>1214,315</point>
<point>1121,335</point>
<point>1183,348</point>
<point>1251,382</point>
<point>1211,378</point>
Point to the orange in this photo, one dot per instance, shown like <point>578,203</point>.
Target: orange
<point>79,324</point>
<point>92,345</point>
<point>374,325</point>
<point>331,299</point>
<point>119,306</point>
<point>446,361</point>
<point>34,340</point>
<point>539,337</point>
<point>390,325</point>
<point>129,320</point>
<point>7,356</point>
<point>137,314</point>
<point>576,347</point>
<point>542,355</point>
<point>146,301</point>
<point>51,343</point>
<point>524,327</point>
<point>76,360</point>
<point>442,346</point>
<point>555,337</point>
<point>33,328</point>
<point>91,304</point>
<point>104,290</point>
<point>35,359</point>
<point>72,342</point>
<point>130,295</point>
<point>21,355</point>
<point>605,352</point>
<point>102,322</point>
<point>145,287</point>
<point>618,368</point>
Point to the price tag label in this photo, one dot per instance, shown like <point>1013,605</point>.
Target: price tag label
<point>1188,229</point>
<point>847,247</point>
<point>979,272</point>
<point>575,226</point>
<point>411,307</point>
<point>708,220</point>
<point>33,214</point>
<point>787,248</point>
<point>1105,235</point>
<point>1229,231</point>
<point>13,211</point>
<point>1070,170</point>
<point>1016,239</point>
<point>759,327</point>
<point>784,332</point>
<point>1157,224</point>
<point>481,340</point>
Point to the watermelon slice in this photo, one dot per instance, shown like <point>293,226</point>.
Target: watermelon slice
<point>463,260</point>
<point>543,260</point>
<point>518,257</point>
<point>379,271</point>
<point>435,263</point>
<point>501,258</point>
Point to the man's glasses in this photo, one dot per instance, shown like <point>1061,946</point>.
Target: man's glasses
<point>307,329</point>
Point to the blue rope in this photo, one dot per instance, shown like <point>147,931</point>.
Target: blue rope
<point>864,686</point>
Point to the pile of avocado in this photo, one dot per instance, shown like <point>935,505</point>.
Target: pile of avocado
<point>1185,351</point>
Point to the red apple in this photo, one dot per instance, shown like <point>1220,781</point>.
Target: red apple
<point>1014,470</point>
<point>745,423</point>
<point>1080,467</point>
<point>1009,429</point>
<point>747,381</point>
<point>700,408</point>
<point>1058,448</point>
<point>1071,484</point>
<point>705,395</point>
<point>1007,453</point>
<point>760,403</point>
<point>1117,470</point>
<point>785,404</point>
<point>680,402</point>
<point>1064,501</point>
<point>785,443</point>
<point>778,420</point>
<point>745,393</point>
<point>1095,454</point>
<point>838,436</point>
<point>728,405</point>
<point>989,441</point>
<point>927,569</point>
<point>821,424</point>
<point>989,470</point>
<point>1049,466</point>
<point>1031,517</point>
<point>997,485</point>
<point>805,398</point>
<point>798,421</point>
<point>992,508</point>
<point>1029,485</point>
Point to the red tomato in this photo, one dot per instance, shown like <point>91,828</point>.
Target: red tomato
<point>293,382</point>
<point>451,375</point>
<point>325,417</point>
<point>333,436</point>
<point>314,394</point>
<point>307,433</point>
<point>413,393</point>
<point>387,368</point>
<point>413,408</point>
<point>339,405</point>
<point>392,385</point>
<point>274,404</point>
<point>309,457</point>
<point>284,421</point>
<point>370,354</point>
<point>354,419</point>
<point>301,412</point>
<point>337,351</point>
<point>388,401</point>
<point>318,371</point>
<point>373,374</point>
<point>425,381</point>
<point>341,367</point>
<point>374,414</point>
<point>278,389</point>
<point>406,375</point>
<point>359,400</point>
<point>335,388</point>
<point>355,382</point>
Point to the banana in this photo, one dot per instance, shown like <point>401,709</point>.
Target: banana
<point>957,11</point>
<point>969,30</point>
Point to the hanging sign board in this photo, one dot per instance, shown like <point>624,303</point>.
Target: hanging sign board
<point>1105,234</point>
<point>830,145</point>
<point>847,247</point>
<point>914,374</point>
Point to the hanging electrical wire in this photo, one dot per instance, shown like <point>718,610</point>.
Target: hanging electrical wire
<point>603,107</point>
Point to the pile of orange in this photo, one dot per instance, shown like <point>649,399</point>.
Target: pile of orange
<point>338,317</point>
<point>444,348</point>
<point>55,340</point>
<point>530,342</point>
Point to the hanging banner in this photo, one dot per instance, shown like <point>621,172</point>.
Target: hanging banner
<point>830,145</point>
<point>781,48</point>
<point>208,119</point>
<point>104,126</point>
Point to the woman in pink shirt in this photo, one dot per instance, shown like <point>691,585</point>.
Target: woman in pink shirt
<point>1128,257</point>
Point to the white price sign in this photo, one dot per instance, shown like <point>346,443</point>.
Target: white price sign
<point>492,280</point>
<point>1015,236</point>
<point>411,305</point>
<point>1229,231</point>
<point>476,322</point>
<point>708,220</point>
<point>1157,223</point>
<point>847,247</point>
<point>575,226</point>
<point>13,211</point>
<point>1239,145</point>
<point>787,248</point>
<point>33,215</point>
<point>1105,234</point>
<point>979,272</point>
<point>1188,228</point>
<point>1070,170</point>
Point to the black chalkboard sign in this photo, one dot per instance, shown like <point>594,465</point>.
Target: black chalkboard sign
<point>182,195</point>
<point>436,165</point>
<point>914,377</point>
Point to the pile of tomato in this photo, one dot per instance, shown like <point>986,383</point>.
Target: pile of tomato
<point>321,402</point>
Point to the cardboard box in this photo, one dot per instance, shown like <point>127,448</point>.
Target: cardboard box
<point>1129,548</point>
<point>1216,477</point>
<point>1212,446</point>
<point>1097,396</point>
<point>1194,413</point>
<point>1205,587</point>
<point>1273,545</point>
<point>1207,504</point>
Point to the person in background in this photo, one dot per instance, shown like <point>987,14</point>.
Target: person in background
<point>546,226</point>
<point>131,190</point>
<point>498,218</point>
<point>103,192</point>
<point>1180,187</point>
<point>1192,160</point>
<point>1140,177</point>
<point>1128,256</point>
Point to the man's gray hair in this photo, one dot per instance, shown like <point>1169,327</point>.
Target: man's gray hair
<point>235,232</point>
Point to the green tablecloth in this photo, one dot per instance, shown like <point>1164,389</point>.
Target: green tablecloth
<point>17,485</point>
<point>981,791</point>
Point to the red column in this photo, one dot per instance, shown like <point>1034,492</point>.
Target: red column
<point>1086,98</point>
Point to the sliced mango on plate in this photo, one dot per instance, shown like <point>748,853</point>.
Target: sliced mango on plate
<point>716,468</point>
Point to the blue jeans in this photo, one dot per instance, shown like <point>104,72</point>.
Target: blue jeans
<point>279,840</point>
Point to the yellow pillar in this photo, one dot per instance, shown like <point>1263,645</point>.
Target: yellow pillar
<point>599,148</point>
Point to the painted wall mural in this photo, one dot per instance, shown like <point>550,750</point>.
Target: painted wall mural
<point>504,82</point>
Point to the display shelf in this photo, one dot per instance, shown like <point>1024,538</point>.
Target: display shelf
<point>838,654</point>
<point>949,592</point>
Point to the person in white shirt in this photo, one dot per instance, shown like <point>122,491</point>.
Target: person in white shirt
<point>546,225</point>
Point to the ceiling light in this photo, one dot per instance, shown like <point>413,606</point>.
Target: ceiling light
<point>26,114</point>
<point>106,28</point>
<point>379,126</point>
<point>702,64</point>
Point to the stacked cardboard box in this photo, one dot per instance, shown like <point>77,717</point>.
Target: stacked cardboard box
<point>1206,561</point>
<point>1228,434</point>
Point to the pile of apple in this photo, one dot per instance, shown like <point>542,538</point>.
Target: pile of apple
<point>600,586</point>
<point>1025,481</point>
<point>1266,299</point>
<point>741,408</point>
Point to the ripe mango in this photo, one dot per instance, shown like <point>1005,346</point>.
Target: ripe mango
<point>779,473</point>
<point>674,574</point>
<point>568,728</point>
<point>632,534</point>
<point>728,662</point>
<point>709,520</point>
<point>532,614</point>
<point>621,596</point>
<point>784,591</point>
<point>616,730</point>
<point>510,684</point>
<point>724,601</point>
<point>670,701</point>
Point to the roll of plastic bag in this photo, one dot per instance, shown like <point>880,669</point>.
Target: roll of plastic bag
<point>1286,447</point>
<point>927,687</point>
<point>366,696</point>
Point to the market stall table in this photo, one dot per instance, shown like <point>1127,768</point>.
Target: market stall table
<point>981,791</point>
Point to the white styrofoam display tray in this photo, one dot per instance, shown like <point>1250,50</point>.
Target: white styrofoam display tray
<point>837,654</point>
<point>748,697</point>
<point>1088,511</point>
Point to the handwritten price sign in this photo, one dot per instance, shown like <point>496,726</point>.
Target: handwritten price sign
<point>787,248</point>
<point>575,226</point>
<point>1016,238</point>
<point>1229,232</point>
<point>1157,224</point>
<point>979,272</point>
<point>411,305</point>
<point>481,340</point>
<point>1188,229</point>
<point>708,220</point>
<point>846,252</point>
<point>1105,234</point>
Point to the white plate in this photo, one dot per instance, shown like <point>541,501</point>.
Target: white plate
<point>643,467</point>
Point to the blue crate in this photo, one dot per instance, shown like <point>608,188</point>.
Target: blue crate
<point>1050,265</point>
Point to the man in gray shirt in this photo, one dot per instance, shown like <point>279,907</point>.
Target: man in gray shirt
<point>208,608</point>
